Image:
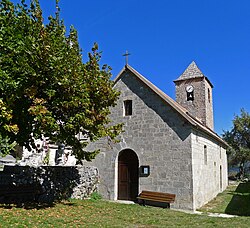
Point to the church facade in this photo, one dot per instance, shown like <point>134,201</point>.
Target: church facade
<point>167,146</point>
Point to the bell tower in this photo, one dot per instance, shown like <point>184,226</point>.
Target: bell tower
<point>194,92</point>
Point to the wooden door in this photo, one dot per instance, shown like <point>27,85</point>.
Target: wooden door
<point>128,178</point>
<point>123,188</point>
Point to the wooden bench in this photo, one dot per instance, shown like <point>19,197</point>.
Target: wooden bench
<point>20,194</point>
<point>160,197</point>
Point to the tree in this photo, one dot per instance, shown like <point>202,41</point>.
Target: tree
<point>45,85</point>
<point>238,139</point>
<point>5,123</point>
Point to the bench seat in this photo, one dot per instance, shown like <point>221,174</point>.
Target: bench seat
<point>160,197</point>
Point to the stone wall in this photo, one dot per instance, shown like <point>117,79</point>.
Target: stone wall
<point>160,138</point>
<point>57,182</point>
<point>201,107</point>
<point>209,168</point>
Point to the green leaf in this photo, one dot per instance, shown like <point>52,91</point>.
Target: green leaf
<point>45,87</point>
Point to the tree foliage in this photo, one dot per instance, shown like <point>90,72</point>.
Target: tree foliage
<point>44,84</point>
<point>6,146</point>
<point>239,140</point>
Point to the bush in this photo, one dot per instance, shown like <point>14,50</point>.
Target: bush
<point>95,196</point>
<point>6,146</point>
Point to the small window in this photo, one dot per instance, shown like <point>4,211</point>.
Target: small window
<point>220,178</point>
<point>209,95</point>
<point>214,170</point>
<point>128,107</point>
<point>205,155</point>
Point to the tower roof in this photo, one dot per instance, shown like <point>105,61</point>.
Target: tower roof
<point>177,107</point>
<point>191,72</point>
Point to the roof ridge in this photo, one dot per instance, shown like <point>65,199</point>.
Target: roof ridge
<point>176,106</point>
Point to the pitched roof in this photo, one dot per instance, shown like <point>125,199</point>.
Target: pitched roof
<point>176,106</point>
<point>192,72</point>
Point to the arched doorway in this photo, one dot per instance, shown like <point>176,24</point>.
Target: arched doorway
<point>128,177</point>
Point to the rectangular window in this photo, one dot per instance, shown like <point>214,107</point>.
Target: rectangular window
<point>209,95</point>
<point>215,170</point>
<point>128,107</point>
<point>205,155</point>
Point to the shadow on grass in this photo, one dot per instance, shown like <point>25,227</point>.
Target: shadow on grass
<point>38,206</point>
<point>28,206</point>
<point>240,203</point>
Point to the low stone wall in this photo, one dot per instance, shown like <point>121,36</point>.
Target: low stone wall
<point>58,182</point>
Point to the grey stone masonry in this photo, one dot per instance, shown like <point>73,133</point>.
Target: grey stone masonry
<point>158,135</point>
<point>201,106</point>
<point>191,72</point>
<point>58,182</point>
<point>164,137</point>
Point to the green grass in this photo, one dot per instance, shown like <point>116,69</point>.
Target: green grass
<point>235,201</point>
<point>99,213</point>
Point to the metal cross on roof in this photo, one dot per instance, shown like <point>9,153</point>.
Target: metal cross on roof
<point>126,55</point>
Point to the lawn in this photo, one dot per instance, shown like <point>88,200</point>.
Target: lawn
<point>100,213</point>
<point>235,201</point>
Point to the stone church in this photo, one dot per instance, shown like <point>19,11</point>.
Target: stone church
<point>167,146</point>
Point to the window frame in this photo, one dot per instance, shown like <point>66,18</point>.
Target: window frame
<point>127,107</point>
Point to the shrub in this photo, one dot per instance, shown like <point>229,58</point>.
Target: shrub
<point>95,196</point>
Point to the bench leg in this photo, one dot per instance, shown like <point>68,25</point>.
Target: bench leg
<point>141,202</point>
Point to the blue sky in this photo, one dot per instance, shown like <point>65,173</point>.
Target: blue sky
<point>165,36</point>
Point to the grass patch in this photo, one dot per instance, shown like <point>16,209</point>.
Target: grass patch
<point>235,201</point>
<point>95,196</point>
<point>100,213</point>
